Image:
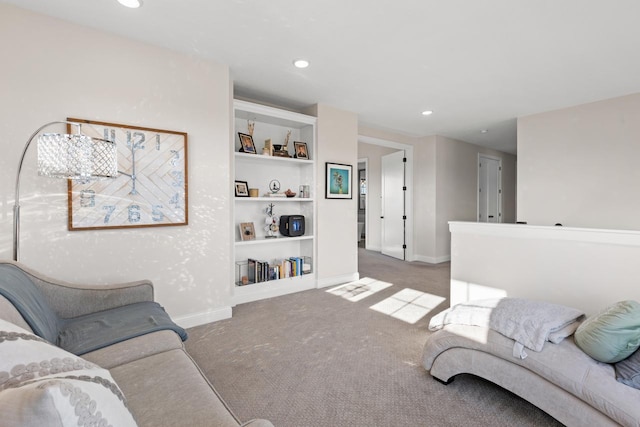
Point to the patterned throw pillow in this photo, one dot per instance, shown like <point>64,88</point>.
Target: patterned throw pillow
<point>43,385</point>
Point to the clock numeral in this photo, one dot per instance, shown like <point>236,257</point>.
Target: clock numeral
<point>178,179</point>
<point>175,200</point>
<point>110,134</point>
<point>87,198</point>
<point>134,213</point>
<point>110,209</point>
<point>136,141</point>
<point>156,213</point>
<point>176,157</point>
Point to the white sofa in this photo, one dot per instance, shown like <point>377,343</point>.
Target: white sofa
<point>561,379</point>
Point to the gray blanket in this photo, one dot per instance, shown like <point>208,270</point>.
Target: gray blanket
<point>529,323</point>
<point>83,334</point>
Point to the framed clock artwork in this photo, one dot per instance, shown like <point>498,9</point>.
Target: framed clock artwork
<point>150,190</point>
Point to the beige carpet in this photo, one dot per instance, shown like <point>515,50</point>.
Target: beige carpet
<point>317,359</point>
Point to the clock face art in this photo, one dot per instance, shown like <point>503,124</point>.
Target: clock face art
<point>151,187</point>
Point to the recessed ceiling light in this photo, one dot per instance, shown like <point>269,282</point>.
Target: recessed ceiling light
<point>484,130</point>
<point>301,63</point>
<point>131,3</point>
<point>427,113</point>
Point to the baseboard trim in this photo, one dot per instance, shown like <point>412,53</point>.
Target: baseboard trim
<point>338,280</point>
<point>432,260</point>
<point>197,319</point>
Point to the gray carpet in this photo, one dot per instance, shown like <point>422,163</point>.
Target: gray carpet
<point>316,359</point>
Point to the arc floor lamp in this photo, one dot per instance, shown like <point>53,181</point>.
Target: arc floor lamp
<point>70,156</point>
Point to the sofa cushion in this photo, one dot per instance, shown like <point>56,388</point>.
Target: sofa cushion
<point>611,335</point>
<point>628,370</point>
<point>18,288</point>
<point>42,385</point>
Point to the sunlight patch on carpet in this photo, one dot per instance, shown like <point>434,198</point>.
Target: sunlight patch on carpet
<point>408,305</point>
<point>360,289</point>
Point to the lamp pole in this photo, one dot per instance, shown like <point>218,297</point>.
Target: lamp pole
<point>16,200</point>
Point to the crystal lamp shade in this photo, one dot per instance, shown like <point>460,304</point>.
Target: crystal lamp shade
<point>76,157</point>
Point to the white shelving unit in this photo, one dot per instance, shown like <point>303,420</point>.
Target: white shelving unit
<point>258,171</point>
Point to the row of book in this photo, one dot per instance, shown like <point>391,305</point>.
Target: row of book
<point>262,271</point>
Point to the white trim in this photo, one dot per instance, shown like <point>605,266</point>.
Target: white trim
<point>338,280</point>
<point>544,232</point>
<point>433,260</point>
<point>197,319</point>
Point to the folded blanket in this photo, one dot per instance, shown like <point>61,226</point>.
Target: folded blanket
<point>529,323</point>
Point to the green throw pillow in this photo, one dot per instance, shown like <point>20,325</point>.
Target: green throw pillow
<point>611,335</point>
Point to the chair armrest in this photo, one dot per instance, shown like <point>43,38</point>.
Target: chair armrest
<point>72,300</point>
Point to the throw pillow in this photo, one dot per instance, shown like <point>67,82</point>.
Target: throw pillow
<point>628,370</point>
<point>43,385</point>
<point>611,335</point>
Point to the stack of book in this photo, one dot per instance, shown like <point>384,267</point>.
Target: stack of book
<point>263,271</point>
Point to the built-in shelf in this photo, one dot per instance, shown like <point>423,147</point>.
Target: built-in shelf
<point>272,199</point>
<point>273,240</point>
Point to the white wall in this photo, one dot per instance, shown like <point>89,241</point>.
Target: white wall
<point>337,218</point>
<point>52,70</point>
<point>588,269</point>
<point>579,166</point>
<point>373,153</point>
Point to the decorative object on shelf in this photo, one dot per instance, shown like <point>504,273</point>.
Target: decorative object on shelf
<point>274,186</point>
<point>271,222</point>
<point>289,193</point>
<point>304,191</point>
<point>242,189</point>
<point>292,225</point>
<point>338,181</point>
<point>300,149</point>
<point>151,188</point>
<point>268,148</point>
<point>71,156</point>
<point>246,143</point>
<point>250,127</point>
<point>247,231</point>
<point>282,151</point>
<point>254,192</point>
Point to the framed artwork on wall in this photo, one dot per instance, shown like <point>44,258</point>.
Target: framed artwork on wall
<point>338,181</point>
<point>151,188</point>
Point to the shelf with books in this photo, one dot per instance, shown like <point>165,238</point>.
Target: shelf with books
<point>267,129</point>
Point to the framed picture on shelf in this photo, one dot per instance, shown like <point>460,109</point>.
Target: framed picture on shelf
<point>300,150</point>
<point>247,231</point>
<point>242,189</point>
<point>151,188</point>
<point>338,181</point>
<point>246,143</point>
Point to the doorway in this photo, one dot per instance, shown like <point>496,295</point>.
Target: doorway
<point>489,188</point>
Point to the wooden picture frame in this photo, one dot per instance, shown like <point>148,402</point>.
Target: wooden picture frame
<point>151,188</point>
<point>300,150</point>
<point>247,231</point>
<point>338,181</point>
<point>242,189</point>
<point>246,143</point>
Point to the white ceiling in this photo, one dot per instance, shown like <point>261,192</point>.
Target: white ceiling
<point>476,64</point>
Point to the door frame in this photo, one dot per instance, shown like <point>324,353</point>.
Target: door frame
<point>409,182</point>
<point>500,207</point>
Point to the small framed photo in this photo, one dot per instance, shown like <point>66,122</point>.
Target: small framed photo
<point>242,189</point>
<point>338,181</point>
<point>300,150</point>
<point>246,143</point>
<point>247,231</point>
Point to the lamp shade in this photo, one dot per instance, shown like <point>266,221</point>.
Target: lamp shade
<point>76,157</point>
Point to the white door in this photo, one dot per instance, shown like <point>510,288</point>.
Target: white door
<point>393,205</point>
<point>489,189</point>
